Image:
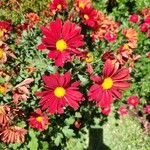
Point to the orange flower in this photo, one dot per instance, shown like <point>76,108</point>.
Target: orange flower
<point>33,18</point>
<point>13,134</point>
<point>132,37</point>
<point>105,24</point>
<point>3,115</point>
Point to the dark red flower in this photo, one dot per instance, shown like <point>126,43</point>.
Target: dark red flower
<point>143,27</point>
<point>59,92</point>
<point>110,85</point>
<point>38,120</point>
<point>106,111</point>
<point>122,111</point>
<point>108,55</point>
<point>58,5</point>
<point>134,18</point>
<point>133,100</point>
<point>62,40</point>
<point>110,37</point>
<point>88,15</point>
<point>147,109</point>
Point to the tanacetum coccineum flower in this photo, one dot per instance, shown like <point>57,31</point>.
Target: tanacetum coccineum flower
<point>5,28</point>
<point>58,5</point>
<point>13,134</point>
<point>88,15</point>
<point>59,92</point>
<point>62,40</point>
<point>81,4</point>
<point>38,120</point>
<point>110,85</point>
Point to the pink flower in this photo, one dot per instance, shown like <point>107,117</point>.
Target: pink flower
<point>106,111</point>
<point>147,109</point>
<point>122,111</point>
<point>134,18</point>
<point>147,20</point>
<point>110,37</point>
<point>143,27</point>
<point>133,100</point>
<point>148,54</point>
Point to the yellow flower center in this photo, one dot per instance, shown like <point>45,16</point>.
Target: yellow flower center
<point>1,53</point>
<point>107,83</point>
<point>39,119</point>
<point>61,45</point>
<point>59,6</point>
<point>126,47</point>
<point>81,5</point>
<point>89,57</point>
<point>59,92</point>
<point>2,31</point>
<point>2,89</point>
<point>86,17</point>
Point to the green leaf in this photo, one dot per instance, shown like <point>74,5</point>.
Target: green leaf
<point>68,132</point>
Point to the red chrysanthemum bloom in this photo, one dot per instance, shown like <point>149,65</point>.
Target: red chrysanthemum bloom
<point>62,41</point>
<point>147,20</point>
<point>81,4</point>
<point>88,15</point>
<point>122,111</point>
<point>134,18</point>
<point>59,92</point>
<point>147,109</point>
<point>144,27</point>
<point>58,5</point>
<point>38,120</point>
<point>33,17</point>
<point>13,134</point>
<point>5,28</point>
<point>106,111</point>
<point>110,85</point>
<point>133,100</point>
<point>110,37</point>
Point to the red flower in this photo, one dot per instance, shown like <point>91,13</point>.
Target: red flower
<point>38,120</point>
<point>147,20</point>
<point>62,40</point>
<point>33,17</point>
<point>134,18</point>
<point>5,28</point>
<point>133,100</point>
<point>110,85</point>
<point>110,37</point>
<point>106,111</point>
<point>58,5</point>
<point>143,27</point>
<point>122,111</point>
<point>59,92</point>
<point>108,55</point>
<point>88,15</point>
<point>13,134</point>
<point>147,109</point>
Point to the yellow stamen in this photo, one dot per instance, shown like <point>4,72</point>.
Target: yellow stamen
<point>89,57</point>
<point>2,89</point>
<point>59,92</point>
<point>39,119</point>
<point>126,47</point>
<point>1,53</point>
<point>86,17</point>
<point>2,31</point>
<point>81,5</point>
<point>59,6</point>
<point>61,45</point>
<point>107,83</point>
